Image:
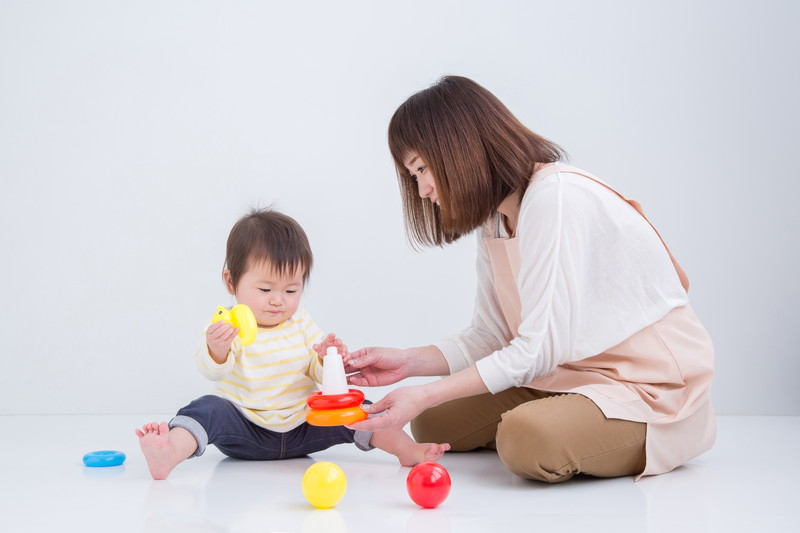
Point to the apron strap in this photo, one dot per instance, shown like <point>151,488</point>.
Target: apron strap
<point>552,168</point>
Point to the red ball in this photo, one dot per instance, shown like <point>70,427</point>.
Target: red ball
<point>428,484</point>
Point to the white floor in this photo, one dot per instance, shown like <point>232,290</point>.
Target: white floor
<point>748,482</point>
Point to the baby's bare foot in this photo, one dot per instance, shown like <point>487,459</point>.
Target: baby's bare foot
<point>158,450</point>
<point>415,453</point>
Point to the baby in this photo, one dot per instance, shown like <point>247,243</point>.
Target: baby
<point>258,408</point>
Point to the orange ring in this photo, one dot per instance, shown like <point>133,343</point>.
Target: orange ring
<point>335,417</point>
<point>354,398</point>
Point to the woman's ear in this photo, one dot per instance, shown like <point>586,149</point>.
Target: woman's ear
<point>226,276</point>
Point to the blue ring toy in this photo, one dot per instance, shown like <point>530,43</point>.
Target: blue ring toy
<point>104,458</point>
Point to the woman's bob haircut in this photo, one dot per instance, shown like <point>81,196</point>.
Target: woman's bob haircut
<point>478,152</point>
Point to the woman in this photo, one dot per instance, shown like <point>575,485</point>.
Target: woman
<point>584,355</point>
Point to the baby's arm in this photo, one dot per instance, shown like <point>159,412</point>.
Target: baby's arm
<point>219,337</point>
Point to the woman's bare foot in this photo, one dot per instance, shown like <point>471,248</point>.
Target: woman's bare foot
<point>160,451</point>
<point>412,454</point>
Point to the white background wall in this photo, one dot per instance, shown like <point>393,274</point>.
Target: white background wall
<point>133,134</point>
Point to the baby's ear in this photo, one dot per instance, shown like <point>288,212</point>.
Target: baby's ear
<point>226,276</point>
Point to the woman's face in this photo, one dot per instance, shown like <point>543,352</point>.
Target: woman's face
<point>418,171</point>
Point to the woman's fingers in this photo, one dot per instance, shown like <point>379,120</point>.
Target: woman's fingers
<point>377,407</point>
<point>358,380</point>
<point>393,411</point>
<point>361,358</point>
<point>377,423</point>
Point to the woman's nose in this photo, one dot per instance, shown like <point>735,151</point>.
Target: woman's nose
<point>424,189</point>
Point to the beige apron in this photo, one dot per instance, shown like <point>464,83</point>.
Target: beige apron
<point>661,375</point>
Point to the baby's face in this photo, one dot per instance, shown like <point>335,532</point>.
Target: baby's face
<point>273,296</point>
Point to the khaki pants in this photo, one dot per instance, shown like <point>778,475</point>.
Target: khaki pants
<point>538,435</point>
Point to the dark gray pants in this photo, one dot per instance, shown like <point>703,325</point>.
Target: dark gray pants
<point>214,420</point>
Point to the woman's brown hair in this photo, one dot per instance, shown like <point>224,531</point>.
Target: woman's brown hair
<point>267,236</point>
<point>478,152</point>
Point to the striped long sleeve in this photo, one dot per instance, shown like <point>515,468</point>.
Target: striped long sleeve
<point>270,379</point>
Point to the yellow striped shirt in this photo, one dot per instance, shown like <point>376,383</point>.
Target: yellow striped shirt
<point>270,379</point>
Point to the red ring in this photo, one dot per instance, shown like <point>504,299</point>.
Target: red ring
<point>353,398</point>
<point>335,417</point>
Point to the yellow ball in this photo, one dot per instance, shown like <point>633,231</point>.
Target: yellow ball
<point>324,484</point>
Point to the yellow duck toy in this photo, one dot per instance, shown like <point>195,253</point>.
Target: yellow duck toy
<point>239,316</point>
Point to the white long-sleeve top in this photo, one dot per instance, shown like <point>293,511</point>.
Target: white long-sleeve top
<point>592,273</point>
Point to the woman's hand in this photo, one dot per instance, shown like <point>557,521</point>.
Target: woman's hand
<point>374,367</point>
<point>331,340</point>
<point>399,407</point>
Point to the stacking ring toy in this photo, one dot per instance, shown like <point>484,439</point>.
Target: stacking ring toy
<point>104,458</point>
<point>335,417</point>
<point>335,409</point>
<point>335,401</point>
<point>242,317</point>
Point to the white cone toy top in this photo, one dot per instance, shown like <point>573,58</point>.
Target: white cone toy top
<point>333,377</point>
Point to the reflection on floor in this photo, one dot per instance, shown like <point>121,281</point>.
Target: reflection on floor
<point>748,482</point>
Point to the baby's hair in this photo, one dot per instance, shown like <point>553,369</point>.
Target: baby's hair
<point>267,236</point>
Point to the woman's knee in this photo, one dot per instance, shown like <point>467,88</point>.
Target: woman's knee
<point>529,448</point>
<point>430,426</point>
<point>468,423</point>
<point>453,423</point>
<point>555,438</point>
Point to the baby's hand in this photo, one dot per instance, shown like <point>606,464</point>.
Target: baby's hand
<point>331,340</point>
<point>219,337</point>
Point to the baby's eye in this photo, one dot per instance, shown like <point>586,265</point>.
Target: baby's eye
<point>291,291</point>
<point>264,290</point>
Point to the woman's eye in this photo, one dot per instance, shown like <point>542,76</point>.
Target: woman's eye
<point>421,170</point>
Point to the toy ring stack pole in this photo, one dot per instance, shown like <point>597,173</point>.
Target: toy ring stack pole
<point>336,405</point>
